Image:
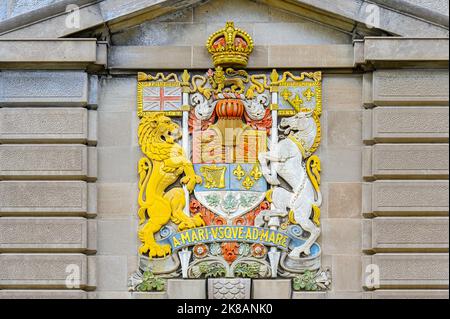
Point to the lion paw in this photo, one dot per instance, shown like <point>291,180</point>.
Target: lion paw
<point>190,223</point>
<point>191,181</point>
<point>155,250</point>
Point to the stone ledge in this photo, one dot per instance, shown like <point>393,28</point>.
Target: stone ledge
<point>43,294</point>
<point>54,198</point>
<point>410,87</point>
<point>414,271</point>
<point>47,88</point>
<point>302,56</point>
<point>309,295</point>
<point>46,271</point>
<point>405,234</point>
<point>396,51</point>
<point>406,124</point>
<point>48,162</point>
<point>58,53</point>
<point>48,125</point>
<point>396,198</point>
<point>406,294</point>
<point>405,161</point>
<point>46,234</point>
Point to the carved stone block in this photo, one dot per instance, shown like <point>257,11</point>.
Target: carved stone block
<point>405,234</point>
<point>48,162</point>
<point>406,124</point>
<point>406,161</point>
<point>409,270</point>
<point>25,198</point>
<point>47,271</point>
<point>45,234</point>
<point>411,87</point>
<point>48,125</point>
<point>391,198</point>
<point>43,88</point>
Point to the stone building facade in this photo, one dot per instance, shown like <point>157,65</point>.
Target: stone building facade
<point>69,147</point>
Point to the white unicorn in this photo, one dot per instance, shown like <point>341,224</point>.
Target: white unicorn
<point>287,160</point>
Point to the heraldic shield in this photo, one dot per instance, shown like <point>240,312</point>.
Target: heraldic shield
<point>229,183</point>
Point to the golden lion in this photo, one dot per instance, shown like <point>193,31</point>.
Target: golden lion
<point>219,81</point>
<point>165,161</point>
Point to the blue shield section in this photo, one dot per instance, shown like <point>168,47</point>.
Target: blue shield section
<point>230,177</point>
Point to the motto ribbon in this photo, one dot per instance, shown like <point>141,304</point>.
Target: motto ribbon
<point>211,234</point>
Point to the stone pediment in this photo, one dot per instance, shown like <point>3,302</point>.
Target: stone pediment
<point>22,19</point>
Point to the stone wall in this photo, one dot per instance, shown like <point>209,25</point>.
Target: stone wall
<point>69,152</point>
<point>48,197</point>
<point>405,197</point>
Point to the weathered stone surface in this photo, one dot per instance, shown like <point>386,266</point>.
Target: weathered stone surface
<point>346,269</point>
<point>111,229</point>
<point>117,95</point>
<point>405,234</point>
<point>411,87</point>
<point>407,294</point>
<point>186,289</point>
<point>117,199</point>
<point>43,294</point>
<point>392,21</point>
<point>367,90</point>
<point>315,56</point>
<point>47,234</point>
<point>141,57</point>
<point>48,162</point>
<point>342,92</point>
<point>309,295</point>
<point>406,124</point>
<point>341,236</point>
<point>149,295</point>
<point>43,88</point>
<point>434,11</point>
<point>57,271</point>
<point>344,128</point>
<point>343,164</point>
<point>344,200</point>
<point>381,50</point>
<point>390,198</point>
<point>409,270</point>
<point>271,289</point>
<point>48,125</point>
<point>36,198</point>
<point>56,51</point>
<point>301,56</point>
<point>387,161</point>
<point>111,273</point>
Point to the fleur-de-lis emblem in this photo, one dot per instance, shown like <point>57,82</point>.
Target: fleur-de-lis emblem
<point>308,94</point>
<point>256,172</point>
<point>248,182</point>
<point>295,102</point>
<point>239,172</point>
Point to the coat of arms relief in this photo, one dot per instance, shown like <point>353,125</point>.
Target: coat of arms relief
<point>229,182</point>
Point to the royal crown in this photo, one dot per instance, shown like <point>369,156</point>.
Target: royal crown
<point>230,46</point>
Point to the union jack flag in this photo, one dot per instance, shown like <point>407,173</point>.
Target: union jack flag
<point>157,98</point>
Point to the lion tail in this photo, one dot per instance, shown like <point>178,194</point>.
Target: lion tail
<point>313,171</point>
<point>144,169</point>
<point>316,215</point>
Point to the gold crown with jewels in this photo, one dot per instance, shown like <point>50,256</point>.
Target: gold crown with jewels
<point>230,46</point>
